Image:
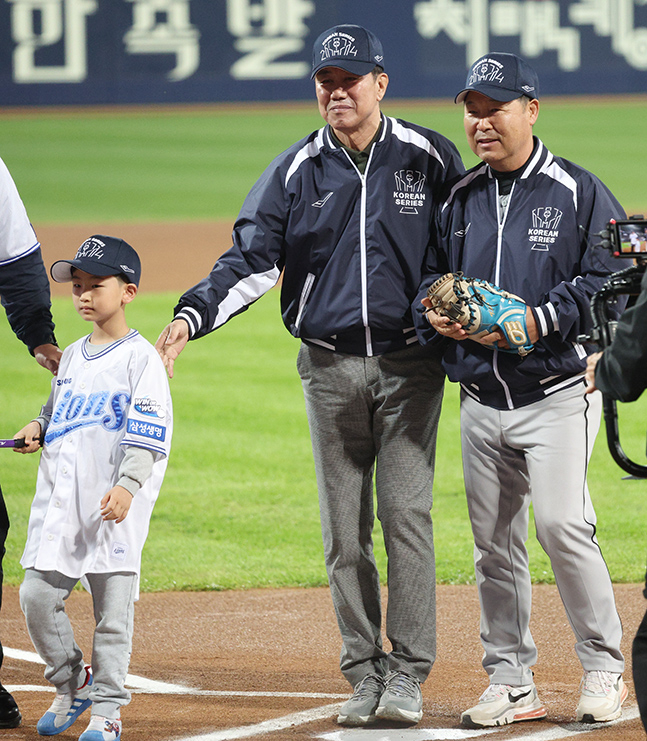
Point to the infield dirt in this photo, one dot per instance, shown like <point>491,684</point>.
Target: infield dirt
<point>285,641</point>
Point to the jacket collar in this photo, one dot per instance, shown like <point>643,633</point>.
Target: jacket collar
<point>329,138</point>
<point>538,160</point>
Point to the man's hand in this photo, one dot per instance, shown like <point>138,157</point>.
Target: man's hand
<point>49,356</point>
<point>171,342</point>
<point>116,504</point>
<point>31,433</point>
<point>442,324</point>
<point>589,377</point>
<point>498,338</point>
<point>446,328</point>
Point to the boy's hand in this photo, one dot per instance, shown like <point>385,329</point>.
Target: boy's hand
<point>115,504</point>
<point>31,433</point>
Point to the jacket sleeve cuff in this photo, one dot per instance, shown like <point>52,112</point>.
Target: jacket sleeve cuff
<point>191,317</point>
<point>44,337</point>
<point>546,318</point>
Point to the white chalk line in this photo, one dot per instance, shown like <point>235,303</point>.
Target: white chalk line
<point>143,685</point>
<point>268,726</point>
<point>407,734</point>
<point>553,733</point>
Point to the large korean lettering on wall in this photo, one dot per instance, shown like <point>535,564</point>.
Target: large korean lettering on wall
<point>129,51</point>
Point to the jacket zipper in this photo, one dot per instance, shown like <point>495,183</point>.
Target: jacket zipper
<point>364,256</point>
<point>500,220</point>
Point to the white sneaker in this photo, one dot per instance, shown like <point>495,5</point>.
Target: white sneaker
<point>602,696</point>
<point>66,708</point>
<point>501,704</point>
<point>102,729</point>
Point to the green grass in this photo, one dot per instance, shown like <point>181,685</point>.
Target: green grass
<point>146,164</point>
<point>239,507</point>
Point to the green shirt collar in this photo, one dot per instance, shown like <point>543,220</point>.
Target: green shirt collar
<point>360,158</point>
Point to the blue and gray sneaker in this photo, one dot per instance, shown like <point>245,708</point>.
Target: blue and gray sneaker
<point>66,708</point>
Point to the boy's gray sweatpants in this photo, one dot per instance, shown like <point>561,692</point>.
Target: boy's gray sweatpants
<point>42,599</point>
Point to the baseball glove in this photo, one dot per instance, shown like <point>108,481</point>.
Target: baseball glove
<point>481,307</point>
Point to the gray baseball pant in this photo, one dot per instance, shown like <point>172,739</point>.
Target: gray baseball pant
<point>537,453</point>
<point>375,420</point>
<point>42,599</point>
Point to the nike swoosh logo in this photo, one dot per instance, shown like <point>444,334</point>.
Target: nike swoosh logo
<point>319,204</point>
<point>516,698</point>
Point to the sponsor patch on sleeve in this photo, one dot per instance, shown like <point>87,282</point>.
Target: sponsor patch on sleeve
<point>146,429</point>
<point>149,407</point>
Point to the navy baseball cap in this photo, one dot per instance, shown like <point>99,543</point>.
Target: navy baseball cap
<point>501,76</point>
<point>349,47</point>
<point>101,255</point>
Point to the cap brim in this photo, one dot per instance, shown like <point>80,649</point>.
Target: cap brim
<point>355,68</point>
<point>61,271</point>
<point>491,91</point>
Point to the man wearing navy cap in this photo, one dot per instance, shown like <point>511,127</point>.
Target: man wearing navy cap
<point>527,221</point>
<point>344,214</point>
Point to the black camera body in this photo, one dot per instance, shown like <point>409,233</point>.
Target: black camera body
<point>624,238</point>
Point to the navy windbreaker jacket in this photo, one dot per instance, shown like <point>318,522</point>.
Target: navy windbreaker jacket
<point>545,251</point>
<point>350,246</point>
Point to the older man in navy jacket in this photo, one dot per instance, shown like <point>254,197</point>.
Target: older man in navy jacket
<point>344,214</point>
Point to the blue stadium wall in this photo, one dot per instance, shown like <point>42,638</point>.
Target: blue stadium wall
<point>55,52</point>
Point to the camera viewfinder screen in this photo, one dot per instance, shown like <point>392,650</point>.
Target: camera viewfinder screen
<point>632,238</point>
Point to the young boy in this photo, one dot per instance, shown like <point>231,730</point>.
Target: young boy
<point>106,430</point>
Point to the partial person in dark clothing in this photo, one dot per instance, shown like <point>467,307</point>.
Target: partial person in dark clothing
<point>24,291</point>
<point>620,372</point>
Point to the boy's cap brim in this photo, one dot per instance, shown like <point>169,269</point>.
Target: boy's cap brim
<point>61,271</point>
<point>101,255</point>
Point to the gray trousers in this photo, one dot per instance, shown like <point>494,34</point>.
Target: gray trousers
<point>42,599</point>
<point>538,453</point>
<point>375,420</point>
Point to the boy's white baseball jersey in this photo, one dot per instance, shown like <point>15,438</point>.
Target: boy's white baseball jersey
<point>17,236</point>
<point>100,403</point>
